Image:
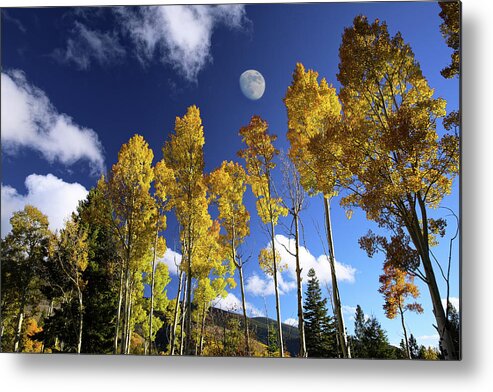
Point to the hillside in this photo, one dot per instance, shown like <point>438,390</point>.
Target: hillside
<point>259,328</point>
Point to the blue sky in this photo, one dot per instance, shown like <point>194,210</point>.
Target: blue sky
<point>78,83</point>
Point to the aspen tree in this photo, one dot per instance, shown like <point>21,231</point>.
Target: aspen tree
<point>184,155</point>
<point>400,166</point>
<point>227,185</point>
<point>315,135</point>
<point>132,211</point>
<point>259,157</point>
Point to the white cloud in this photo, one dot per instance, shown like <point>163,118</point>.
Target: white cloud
<point>52,196</point>
<point>344,272</point>
<point>85,46</point>
<point>179,34</point>
<point>170,258</point>
<point>291,321</point>
<point>428,340</point>
<point>454,301</point>
<point>259,286</point>
<point>29,120</point>
<point>232,303</point>
<point>349,310</point>
<point>263,286</point>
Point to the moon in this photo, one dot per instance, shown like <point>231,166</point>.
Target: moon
<point>252,84</point>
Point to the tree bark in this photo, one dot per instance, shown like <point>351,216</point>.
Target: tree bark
<point>118,313</point>
<point>183,315</point>
<point>20,321</point>
<point>420,238</point>
<point>301,319</point>
<point>152,290</point>
<point>346,353</point>
<point>175,315</point>
<point>243,304</point>
<point>81,321</point>
<point>202,330</point>
<point>406,341</point>
<point>278,302</point>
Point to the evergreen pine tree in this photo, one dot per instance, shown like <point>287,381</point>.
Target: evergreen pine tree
<point>413,347</point>
<point>370,340</point>
<point>320,329</point>
<point>273,344</point>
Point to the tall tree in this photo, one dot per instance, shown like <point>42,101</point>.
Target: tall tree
<point>133,209</point>
<point>450,29</point>
<point>227,185</point>
<point>400,166</point>
<point>184,155</point>
<point>71,251</point>
<point>259,156</point>
<point>294,202</point>
<point>24,252</point>
<point>163,182</point>
<point>320,330</point>
<point>102,275</point>
<point>316,139</point>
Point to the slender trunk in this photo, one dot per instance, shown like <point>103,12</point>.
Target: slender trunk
<point>118,313</point>
<point>81,321</point>
<point>278,302</point>
<point>123,342</point>
<point>175,315</point>
<point>406,341</point>
<point>346,353</point>
<point>129,326</point>
<point>183,315</point>
<point>243,304</point>
<point>152,290</point>
<point>20,321</point>
<point>301,319</point>
<point>188,313</point>
<point>202,330</point>
<point>446,341</point>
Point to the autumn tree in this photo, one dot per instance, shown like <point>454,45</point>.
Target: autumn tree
<point>396,287</point>
<point>184,155</point>
<point>158,301</point>
<point>316,138</point>
<point>400,166</point>
<point>132,210</point>
<point>213,275</point>
<point>163,182</point>
<point>71,252</point>
<point>450,29</point>
<point>24,253</point>
<point>227,186</point>
<point>259,156</point>
<point>294,201</point>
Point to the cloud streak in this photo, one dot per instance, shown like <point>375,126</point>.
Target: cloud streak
<point>179,35</point>
<point>85,46</point>
<point>29,120</point>
<point>52,196</point>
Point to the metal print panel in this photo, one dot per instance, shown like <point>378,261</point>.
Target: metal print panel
<point>268,180</point>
